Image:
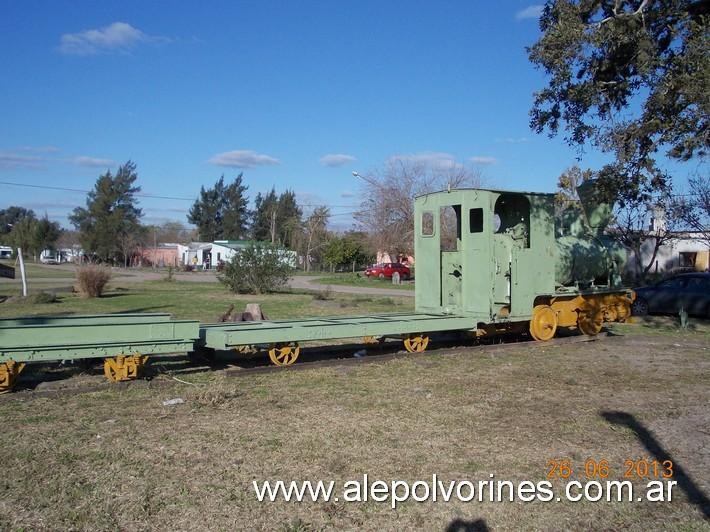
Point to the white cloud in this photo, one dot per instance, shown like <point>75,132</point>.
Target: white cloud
<point>336,159</point>
<point>433,160</point>
<point>483,160</point>
<point>533,11</point>
<point>346,194</point>
<point>116,37</point>
<point>513,140</point>
<point>17,159</point>
<point>93,162</point>
<point>242,159</point>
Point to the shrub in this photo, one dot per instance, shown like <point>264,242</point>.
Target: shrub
<point>92,280</point>
<point>42,297</point>
<point>324,295</point>
<point>257,269</point>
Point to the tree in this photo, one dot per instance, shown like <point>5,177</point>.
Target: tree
<point>631,78</point>
<point>257,269</point>
<point>643,228</point>
<point>263,226</point>
<point>315,233</point>
<point>386,212</point>
<point>236,212</point>
<point>345,250</point>
<point>288,219</point>
<point>276,219</point>
<point>221,212</point>
<point>10,216</point>
<point>45,235</point>
<point>23,234</point>
<point>111,215</point>
<point>694,208</point>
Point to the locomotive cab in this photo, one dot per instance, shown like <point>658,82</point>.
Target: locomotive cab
<point>483,253</point>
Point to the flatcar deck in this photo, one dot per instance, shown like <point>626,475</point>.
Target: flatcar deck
<point>229,335</point>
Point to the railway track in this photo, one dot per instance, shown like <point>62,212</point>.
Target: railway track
<point>161,374</point>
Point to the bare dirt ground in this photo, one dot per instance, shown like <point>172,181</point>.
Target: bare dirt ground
<point>118,459</point>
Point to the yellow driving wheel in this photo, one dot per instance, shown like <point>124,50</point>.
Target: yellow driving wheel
<point>370,340</point>
<point>124,368</point>
<point>416,343</point>
<point>543,324</point>
<point>246,349</point>
<point>590,321</point>
<point>284,354</point>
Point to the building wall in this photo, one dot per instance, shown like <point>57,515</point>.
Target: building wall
<point>161,257</point>
<point>674,254</point>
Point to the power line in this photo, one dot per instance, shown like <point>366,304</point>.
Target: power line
<point>153,196</point>
<point>47,187</point>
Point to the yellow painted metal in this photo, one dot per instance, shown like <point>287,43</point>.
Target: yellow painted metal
<point>589,311</point>
<point>370,340</point>
<point>246,349</point>
<point>284,354</point>
<point>590,321</point>
<point>124,368</point>
<point>9,371</point>
<point>543,324</point>
<point>416,343</point>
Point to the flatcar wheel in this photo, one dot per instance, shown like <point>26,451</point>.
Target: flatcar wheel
<point>8,373</point>
<point>284,355</point>
<point>416,343</point>
<point>246,349</point>
<point>543,324</point>
<point>370,340</point>
<point>590,322</point>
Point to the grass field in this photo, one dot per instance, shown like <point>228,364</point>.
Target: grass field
<point>204,302</point>
<point>354,279</point>
<point>33,269</point>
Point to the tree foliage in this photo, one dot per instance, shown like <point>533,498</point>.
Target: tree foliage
<point>111,217</point>
<point>221,212</point>
<point>346,250</point>
<point>386,212</point>
<point>45,234</point>
<point>257,269</point>
<point>10,216</point>
<point>276,219</point>
<point>694,208</point>
<point>629,77</point>
<point>314,237</point>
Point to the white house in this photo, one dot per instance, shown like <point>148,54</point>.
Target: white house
<point>207,255</point>
<point>687,250</point>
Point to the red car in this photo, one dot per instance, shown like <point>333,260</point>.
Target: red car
<point>387,269</point>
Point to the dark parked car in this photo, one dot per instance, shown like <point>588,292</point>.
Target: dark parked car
<point>690,291</point>
<point>386,269</point>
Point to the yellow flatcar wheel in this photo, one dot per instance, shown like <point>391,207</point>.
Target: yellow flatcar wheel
<point>416,343</point>
<point>8,374</point>
<point>590,322</point>
<point>246,349</point>
<point>370,340</point>
<point>543,324</point>
<point>284,354</point>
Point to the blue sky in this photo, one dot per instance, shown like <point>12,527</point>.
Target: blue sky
<point>295,94</point>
